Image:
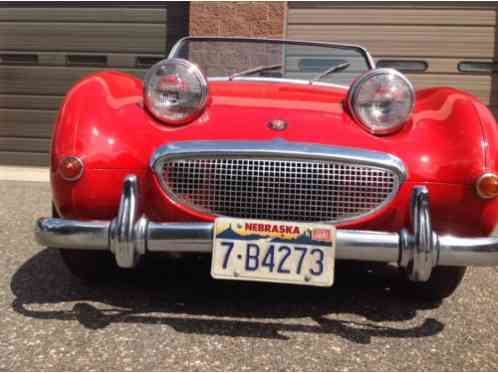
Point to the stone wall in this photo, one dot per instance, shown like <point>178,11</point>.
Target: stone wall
<point>254,18</point>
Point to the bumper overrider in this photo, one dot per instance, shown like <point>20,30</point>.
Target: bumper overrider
<point>131,235</point>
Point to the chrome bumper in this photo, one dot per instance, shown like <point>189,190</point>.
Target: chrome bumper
<point>131,235</point>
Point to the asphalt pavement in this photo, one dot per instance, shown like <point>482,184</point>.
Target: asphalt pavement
<point>170,315</point>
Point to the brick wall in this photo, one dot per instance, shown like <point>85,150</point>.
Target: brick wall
<point>234,18</point>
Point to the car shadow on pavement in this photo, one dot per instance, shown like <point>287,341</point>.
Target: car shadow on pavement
<point>180,293</point>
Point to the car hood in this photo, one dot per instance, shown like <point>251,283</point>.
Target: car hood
<point>442,138</point>
<point>442,142</point>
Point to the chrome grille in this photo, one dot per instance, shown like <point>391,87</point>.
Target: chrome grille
<point>278,188</point>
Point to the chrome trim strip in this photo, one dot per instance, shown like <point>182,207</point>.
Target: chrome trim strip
<point>402,248</point>
<point>276,149</point>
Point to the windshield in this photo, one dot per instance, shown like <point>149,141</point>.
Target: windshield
<point>239,58</point>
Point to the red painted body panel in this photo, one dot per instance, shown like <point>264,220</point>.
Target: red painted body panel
<point>449,141</point>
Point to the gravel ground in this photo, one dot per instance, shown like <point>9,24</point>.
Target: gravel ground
<point>172,316</point>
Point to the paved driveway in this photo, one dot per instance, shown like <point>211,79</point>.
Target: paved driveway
<point>173,316</point>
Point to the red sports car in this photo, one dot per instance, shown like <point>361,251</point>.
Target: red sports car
<point>278,158</point>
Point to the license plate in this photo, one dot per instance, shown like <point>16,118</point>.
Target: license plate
<point>272,251</point>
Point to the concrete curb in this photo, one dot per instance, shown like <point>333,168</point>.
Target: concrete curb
<point>14,173</point>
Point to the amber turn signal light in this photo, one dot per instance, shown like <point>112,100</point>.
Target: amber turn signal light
<point>71,168</point>
<point>487,185</point>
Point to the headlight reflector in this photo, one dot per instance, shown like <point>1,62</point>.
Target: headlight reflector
<point>382,100</point>
<point>175,91</point>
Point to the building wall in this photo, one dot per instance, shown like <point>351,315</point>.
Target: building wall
<point>45,48</point>
<point>55,45</point>
<point>254,18</point>
<point>445,43</point>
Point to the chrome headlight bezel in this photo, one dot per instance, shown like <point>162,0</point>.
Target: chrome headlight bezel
<point>196,74</point>
<point>357,86</point>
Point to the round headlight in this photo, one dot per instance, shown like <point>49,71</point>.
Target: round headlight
<point>175,91</point>
<point>381,100</point>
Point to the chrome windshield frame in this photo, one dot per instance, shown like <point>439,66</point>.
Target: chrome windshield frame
<point>368,58</point>
<point>262,79</point>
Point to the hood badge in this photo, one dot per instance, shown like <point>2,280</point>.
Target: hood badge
<point>277,124</point>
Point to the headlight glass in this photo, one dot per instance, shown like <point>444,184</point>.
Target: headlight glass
<point>382,100</point>
<point>175,91</point>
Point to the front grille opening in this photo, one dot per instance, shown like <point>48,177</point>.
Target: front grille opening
<point>278,189</point>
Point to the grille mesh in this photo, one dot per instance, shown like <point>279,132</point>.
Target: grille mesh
<point>278,189</point>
